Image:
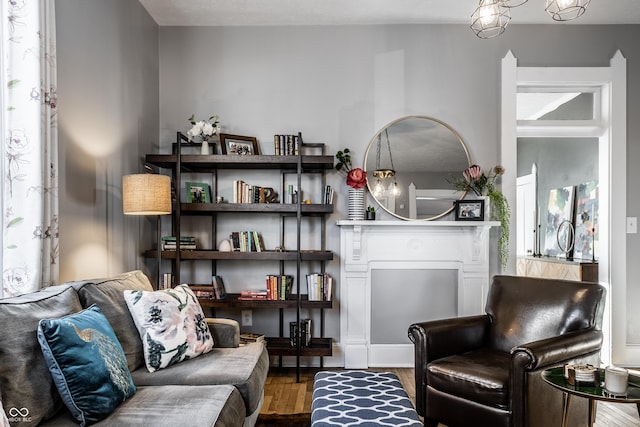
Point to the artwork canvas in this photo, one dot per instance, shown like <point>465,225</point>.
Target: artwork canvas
<point>560,209</point>
<point>586,221</point>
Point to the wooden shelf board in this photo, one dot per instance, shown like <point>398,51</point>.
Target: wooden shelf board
<point>199,162</point>
<point>232,301</point>
<point>282,347</point>
<point>208,208</point>
<point>256,256</point>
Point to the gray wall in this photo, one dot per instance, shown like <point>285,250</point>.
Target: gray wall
<point>121,79</point>
<point>108,118</point>
<point>339,85</point>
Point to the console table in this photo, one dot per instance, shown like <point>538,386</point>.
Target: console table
<point>557,268</point>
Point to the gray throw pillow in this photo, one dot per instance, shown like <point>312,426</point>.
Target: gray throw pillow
<point>26,386</point>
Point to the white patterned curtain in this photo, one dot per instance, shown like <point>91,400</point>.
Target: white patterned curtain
<point>28,122</point>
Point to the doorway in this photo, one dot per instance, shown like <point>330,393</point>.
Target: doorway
<point>610,130</point>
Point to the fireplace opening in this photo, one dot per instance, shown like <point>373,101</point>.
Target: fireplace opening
<point>400,297</point>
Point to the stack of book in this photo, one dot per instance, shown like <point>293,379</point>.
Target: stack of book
<point>169,243</point>
<point>279,286</point>
<point>286,145</point>
<point>247,241</point>
<point>249,337</point>
<point>252,295</point>
<point>203,291</point>
<point>319,286</point>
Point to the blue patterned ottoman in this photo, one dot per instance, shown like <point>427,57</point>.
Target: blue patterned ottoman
<point>362,398</point>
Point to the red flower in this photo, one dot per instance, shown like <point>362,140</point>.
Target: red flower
<point>356,178</point>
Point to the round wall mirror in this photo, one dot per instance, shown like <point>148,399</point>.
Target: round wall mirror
<point>409,164</point>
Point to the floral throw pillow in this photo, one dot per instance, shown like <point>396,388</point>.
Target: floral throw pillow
<point>171,324</point>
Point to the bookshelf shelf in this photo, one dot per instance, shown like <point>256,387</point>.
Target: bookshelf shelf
<point>291,168</point>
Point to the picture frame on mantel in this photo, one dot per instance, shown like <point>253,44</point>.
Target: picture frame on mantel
<point>238,145</point>
<point>469,210</point>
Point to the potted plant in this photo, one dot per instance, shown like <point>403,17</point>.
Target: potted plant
<point>371,213</point>
<point>482,184</point>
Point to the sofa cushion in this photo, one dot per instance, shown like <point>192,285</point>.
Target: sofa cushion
<point>170,406</point>
<point>171,324</point>
<point>87,364</point>
<point>25,381</point>
<point>108,295</point>
<point>245,367</point>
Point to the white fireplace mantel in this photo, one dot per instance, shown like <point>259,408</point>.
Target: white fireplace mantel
<point>366,245</point>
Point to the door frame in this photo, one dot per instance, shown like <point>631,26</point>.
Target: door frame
<point>612,151</point>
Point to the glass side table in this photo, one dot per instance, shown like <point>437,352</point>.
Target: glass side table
<point>593,392</point>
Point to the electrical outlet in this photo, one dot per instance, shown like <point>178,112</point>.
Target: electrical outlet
<point>632,225</point>
<point>247,318</point>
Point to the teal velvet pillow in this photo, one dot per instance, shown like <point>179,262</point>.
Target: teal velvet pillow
<point>87,364</point>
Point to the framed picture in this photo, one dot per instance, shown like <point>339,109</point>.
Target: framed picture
<point>238,145</point>
<point>560,211</point>
<point>198,192</point>
<point>586,224</point>
<point>469,210</point>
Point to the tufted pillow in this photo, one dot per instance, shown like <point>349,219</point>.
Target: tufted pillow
<point>87,364</point>
<point>171,324</point>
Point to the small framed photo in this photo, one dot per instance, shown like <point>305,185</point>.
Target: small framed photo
<point>238,145</point>
<point>198,192</point>
<point>469,210</point>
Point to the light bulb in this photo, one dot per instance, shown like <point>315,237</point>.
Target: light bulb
<point>378,188</point>
<point>563,4</point>
<point>395,190</point>
<point>489,14</point>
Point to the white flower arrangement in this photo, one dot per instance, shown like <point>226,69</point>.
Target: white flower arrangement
<point>203,128</point>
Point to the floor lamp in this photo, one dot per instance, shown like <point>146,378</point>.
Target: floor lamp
<point>148,194</point>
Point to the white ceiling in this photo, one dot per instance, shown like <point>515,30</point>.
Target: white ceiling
<point>362,12</point>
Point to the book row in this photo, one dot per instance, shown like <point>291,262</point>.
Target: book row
<point>319,286</point>
<point>247,193</point>
<point>286,145</point>
<point>246,241</point>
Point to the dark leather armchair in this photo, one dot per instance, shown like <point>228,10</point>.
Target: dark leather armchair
<point>485,370</point>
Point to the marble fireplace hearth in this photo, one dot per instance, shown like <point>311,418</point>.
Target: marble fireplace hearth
<point>369,247</point>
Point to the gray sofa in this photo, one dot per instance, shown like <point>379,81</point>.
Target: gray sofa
<point>224,387</point>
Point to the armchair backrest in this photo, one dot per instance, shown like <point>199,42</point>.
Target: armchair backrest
<point>527,309</point>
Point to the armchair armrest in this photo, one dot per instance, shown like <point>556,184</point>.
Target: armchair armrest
<point>551,351</point>
<point>548,352</point>
<point>225,332</point>
<point>440,338</point>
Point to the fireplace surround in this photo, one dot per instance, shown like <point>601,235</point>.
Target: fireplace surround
<point>368,246</point>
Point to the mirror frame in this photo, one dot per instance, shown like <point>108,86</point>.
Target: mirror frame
<point>373,143</point>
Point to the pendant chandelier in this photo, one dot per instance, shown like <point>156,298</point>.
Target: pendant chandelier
<point>382,174</point>
<point>491,17</point>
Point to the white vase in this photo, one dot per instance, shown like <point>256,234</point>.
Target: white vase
<point>204,149</point>
<point>356,203</point>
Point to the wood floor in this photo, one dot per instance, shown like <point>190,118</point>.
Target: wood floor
<point>283,395</point>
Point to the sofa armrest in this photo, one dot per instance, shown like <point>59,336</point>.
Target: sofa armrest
<point>225,332</point>
<point>440,338</point>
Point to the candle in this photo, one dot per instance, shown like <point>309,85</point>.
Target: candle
<point>616,380</point>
